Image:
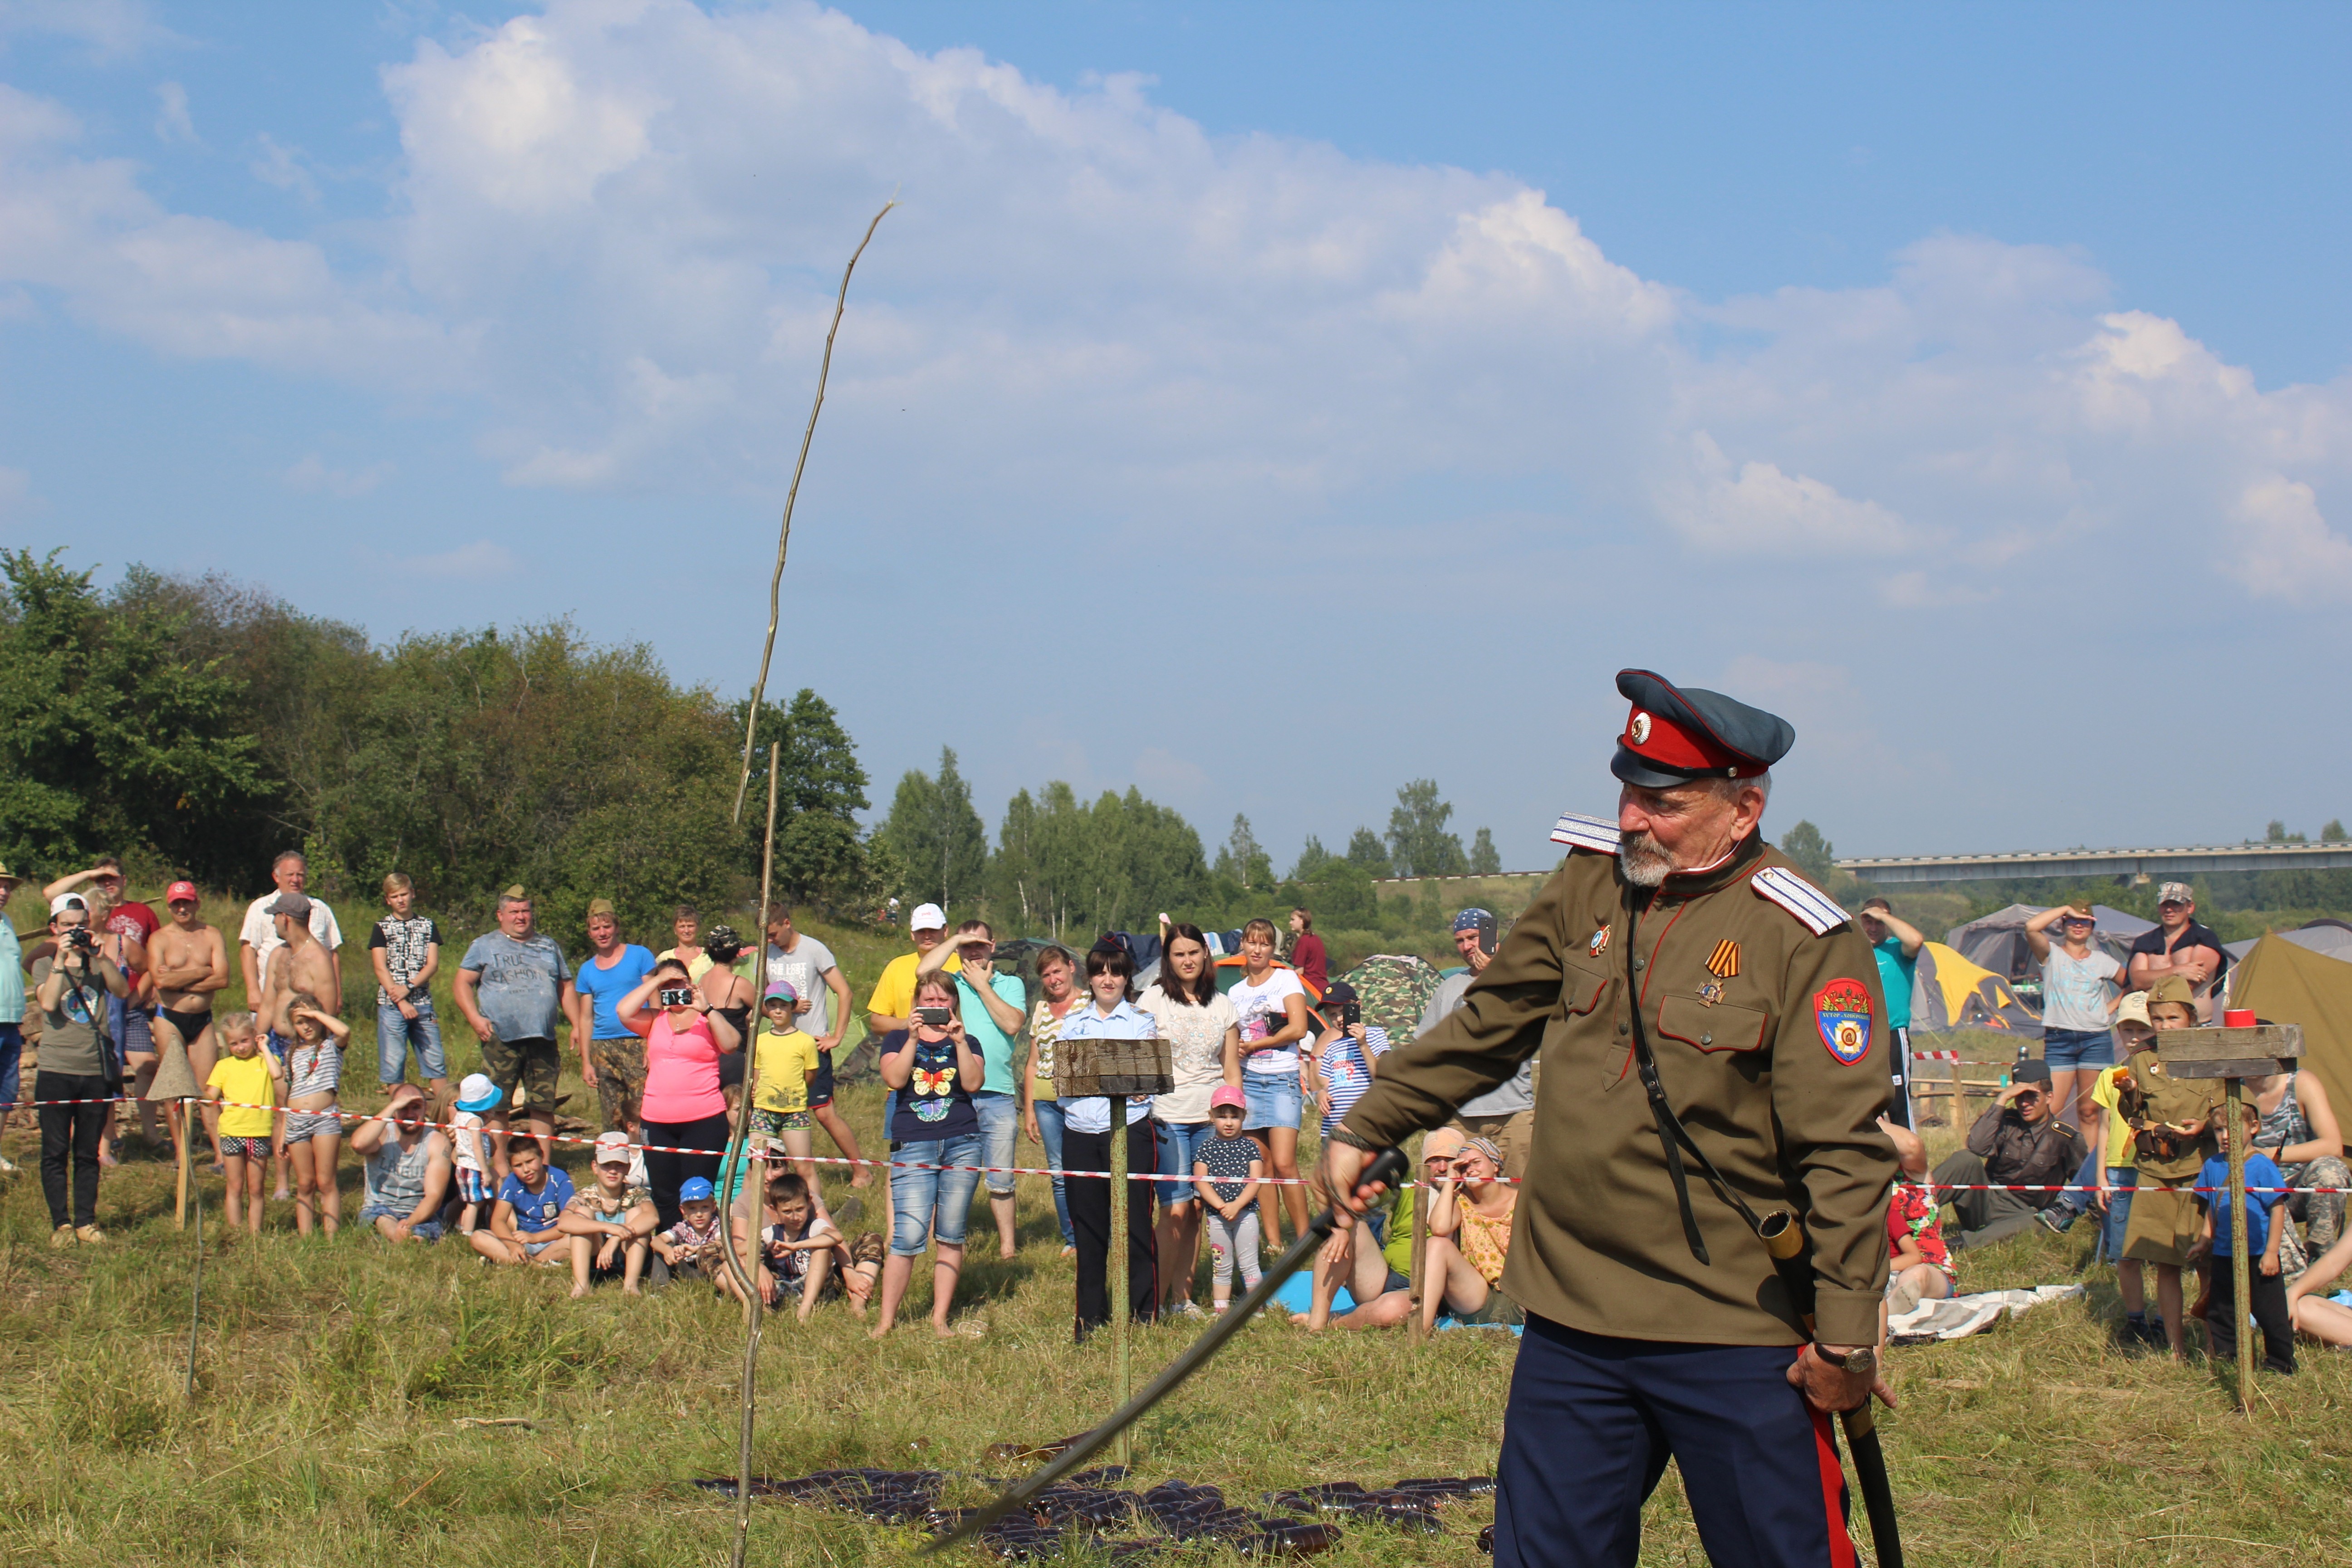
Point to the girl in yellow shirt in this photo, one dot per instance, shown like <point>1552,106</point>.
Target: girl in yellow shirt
<point>786,1060</point>
<point>245,1083</point>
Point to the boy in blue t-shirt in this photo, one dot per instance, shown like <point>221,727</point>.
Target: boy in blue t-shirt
<point>522,1222</point>
<point>2264,1284</point>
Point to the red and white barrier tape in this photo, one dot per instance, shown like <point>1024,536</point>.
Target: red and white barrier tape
<point>341,1114</point>
<point>1935,1056</point>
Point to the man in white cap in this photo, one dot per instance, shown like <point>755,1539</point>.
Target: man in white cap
<point>893,1003</point>
<point>2178,945</point>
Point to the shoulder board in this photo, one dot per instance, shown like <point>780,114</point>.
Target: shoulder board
<point>1596,833</point>
<point>1799,898</point>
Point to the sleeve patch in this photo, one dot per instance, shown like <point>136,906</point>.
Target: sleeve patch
<point>1799,898</point>
<point>1595,832</point>
<point>1841,1011</point>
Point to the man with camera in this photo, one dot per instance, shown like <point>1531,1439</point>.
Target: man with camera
<point>71,990</point>
<point>1715,1064</point>
<point>2019,1140</point>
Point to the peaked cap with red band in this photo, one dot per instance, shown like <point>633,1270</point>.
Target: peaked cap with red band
<point>1673,735</point>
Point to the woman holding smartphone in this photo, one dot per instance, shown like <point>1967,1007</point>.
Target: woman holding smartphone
<point>934,1068</point>
<point>683,1106</point>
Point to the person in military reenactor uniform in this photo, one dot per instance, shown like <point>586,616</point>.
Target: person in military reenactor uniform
<point>2171,1121</point>
<point>1710,1028</point>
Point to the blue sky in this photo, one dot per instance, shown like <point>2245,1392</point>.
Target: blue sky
<point>1336,395</point>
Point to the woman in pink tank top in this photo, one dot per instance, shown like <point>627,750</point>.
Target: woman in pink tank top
<point>683,1106</point>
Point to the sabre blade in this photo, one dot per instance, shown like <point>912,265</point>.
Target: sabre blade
<point>1384,1169</point>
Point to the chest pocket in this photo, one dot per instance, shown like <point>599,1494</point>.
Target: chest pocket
<point>1581,990</point>
<point>1722,1028</point>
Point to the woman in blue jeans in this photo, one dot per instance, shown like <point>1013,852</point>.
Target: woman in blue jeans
<point>2078,1008</point>
<point>934,1068</point>
<point>1041,1103</point>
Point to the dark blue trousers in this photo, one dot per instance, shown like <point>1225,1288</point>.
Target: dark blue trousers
<point>1592,1420</point>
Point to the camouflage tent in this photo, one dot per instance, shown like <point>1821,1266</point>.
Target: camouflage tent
<point>1394,988</point>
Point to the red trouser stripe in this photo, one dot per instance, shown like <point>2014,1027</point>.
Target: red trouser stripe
<point>1842,1553</point>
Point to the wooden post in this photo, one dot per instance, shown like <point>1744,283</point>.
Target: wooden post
<point>1123,1447</point>
<point>180,1213</point>
<point>2234,1090</point>
<point>1959,1097</point>
<point>1420,1251</point>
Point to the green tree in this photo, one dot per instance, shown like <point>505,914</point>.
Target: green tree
<point>1804,844</point>
<point>1312,859</point>
<point>1486,860</point>
<point>820,854</point>
<point>1366,851</point>
<point>2276,833</point>
<point>934,830</point>
<point>113,731</point>
<point>1419,845</point>
<point>1340,893</point>
<point>2334,831</point>
<point>1242,858</point>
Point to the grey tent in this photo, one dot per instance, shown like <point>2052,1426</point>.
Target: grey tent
<point>1997,942</point>
<point>2331,937</point>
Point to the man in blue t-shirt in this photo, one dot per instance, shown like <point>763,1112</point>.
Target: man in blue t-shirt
<point>2265,1284</point>
<point>612,1059</point>
<point>522,1222</point>
<point>514,986</point>
<point>1897,942</point>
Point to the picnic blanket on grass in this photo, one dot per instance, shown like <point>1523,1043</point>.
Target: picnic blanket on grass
<point>1957,1316</point>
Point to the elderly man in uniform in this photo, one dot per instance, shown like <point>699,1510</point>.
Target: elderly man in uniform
<point>1712,1036</point>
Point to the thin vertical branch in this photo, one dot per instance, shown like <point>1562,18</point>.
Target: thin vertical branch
<point>754,1309</point>
<point>784,537</point>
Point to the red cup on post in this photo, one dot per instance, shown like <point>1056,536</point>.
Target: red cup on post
<point>2237,1017</point>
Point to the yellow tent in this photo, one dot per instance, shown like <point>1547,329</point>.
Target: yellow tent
<point>1947,992</point>
<point>2285,983</point>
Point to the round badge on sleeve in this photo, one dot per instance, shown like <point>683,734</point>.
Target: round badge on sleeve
<point>1843,1012</point>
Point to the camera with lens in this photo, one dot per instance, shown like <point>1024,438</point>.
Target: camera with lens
<point>81,939</point>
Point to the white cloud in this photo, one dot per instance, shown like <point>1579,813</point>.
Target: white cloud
<point>616,227</point>
<point>2283,548</point>
<point>111,29</point>
<point>173,122</point>
<point>313,474</point>
<point>283,167</point>
<point>482,558</point>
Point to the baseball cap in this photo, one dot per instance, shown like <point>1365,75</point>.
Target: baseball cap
<point>601,907</point>
<point>1472,920</point>
<point>178,890</point>
<point>2133,1010</point>
<point>477,1093</point>
<point>1337,994</point>
<point>779,991</point>
<point>65,901</point>
<point>2033,1069</point>
<point>697,1190</point>
<point>1227,1094</point>
<point>612,1148</point>
<point>2176,893</point>
<point>927,917</point>
<point>294,906</point>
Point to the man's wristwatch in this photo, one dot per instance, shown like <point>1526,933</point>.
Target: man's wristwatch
<point>1857,1362</point>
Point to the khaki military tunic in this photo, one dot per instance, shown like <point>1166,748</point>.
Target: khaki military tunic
<point>1762,1006</point>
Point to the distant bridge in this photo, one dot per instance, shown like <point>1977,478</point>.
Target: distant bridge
<point>2124,865</point>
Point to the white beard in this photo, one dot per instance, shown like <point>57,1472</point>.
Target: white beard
<point>1642,860</point>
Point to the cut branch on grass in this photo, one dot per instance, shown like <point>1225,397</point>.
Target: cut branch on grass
<point>784,534</point>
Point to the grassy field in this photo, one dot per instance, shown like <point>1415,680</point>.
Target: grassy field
<point>334,1377</point>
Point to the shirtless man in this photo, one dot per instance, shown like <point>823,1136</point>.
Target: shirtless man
<point>2178,945</point>
<point>304,964</point>
<point>190,962</point>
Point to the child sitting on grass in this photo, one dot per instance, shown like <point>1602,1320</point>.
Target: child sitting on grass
<point>800,1249</point>
<point>2265,1289</point>
<point>1919,1265</point>
<point>610,1222</point>
<point>244,1083</point>
<point>1227,1170</point>
<point>469,1150</point>
<point>522,1227</point>
<point>693,1246</point>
